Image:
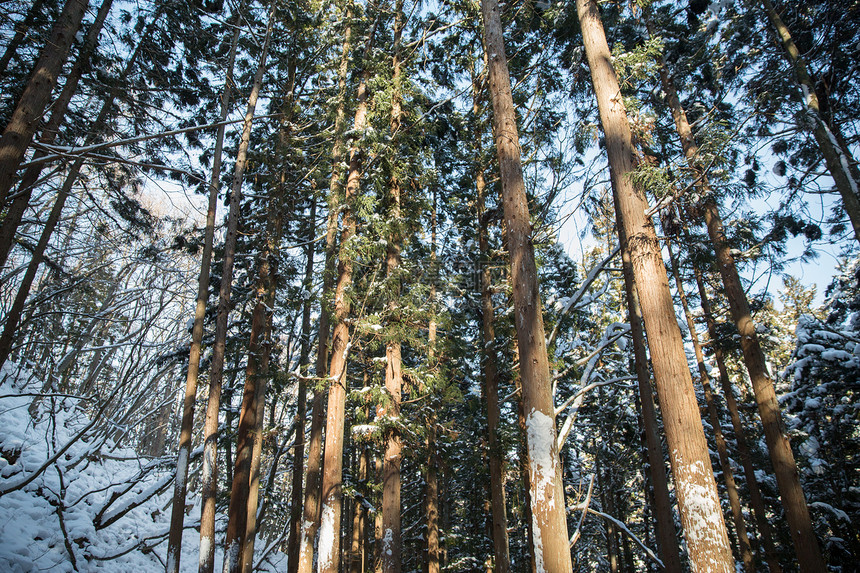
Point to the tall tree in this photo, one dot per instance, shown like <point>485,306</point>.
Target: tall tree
<point>213,406</point>
<point>549,520</point>
<point>31,106</point>
<point>785,468</point>
<point>332,482</point>
<point>391,539</point>
<point>174,547</point>
<point>701,516</point>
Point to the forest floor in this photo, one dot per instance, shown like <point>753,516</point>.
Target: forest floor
<point>98,507</point>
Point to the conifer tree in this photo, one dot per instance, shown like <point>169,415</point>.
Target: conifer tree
<point>548,508</point>
<point>701,515</point>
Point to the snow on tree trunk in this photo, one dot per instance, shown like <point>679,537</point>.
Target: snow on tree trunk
<point>667,538</point>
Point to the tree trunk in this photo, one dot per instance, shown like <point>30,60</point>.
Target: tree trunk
<point>793,500</point>
<point>174,546</point>
<point>213,406</point>
<point>391,539</point>
<point>49,134</point>
<point>756,498</point>
<point>239,521</point>
<point>722,449</point>
<point>549,519</point>
<point>701,515</point>
<point>359,518</point>
<point>489,363</point>
<point>31,106</point>
<point>667,537</point>
<point>607,506</point>
<point>432,480</point>
<point>304,553</point>
<point>14,315</point>
<point>21,29</point>
<point>329,542</point>
<point>840,163</point>
<point>296,493</point>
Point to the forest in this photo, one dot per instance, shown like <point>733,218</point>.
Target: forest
<point>413,286</point>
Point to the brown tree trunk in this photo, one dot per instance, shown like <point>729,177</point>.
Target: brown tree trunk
<point>174,546</point>
<point>743,548</point>
<point>489,364</point>
<point>251,413</point>
<point>49,134</point>
<point>303,563</point>
<point>549,519</point>
<point>332,479</point>
<point>210,430</point>
<point>296,493</point>
<point>840,163</point>
<point>31,106</point>
<point>667,537</point>
<point>13,317</point>
<point>607,506</point>
<point>432,479</point>
<point>21,29</point>
<point>701,515</point>
<point>756,499</point>
<point>359,519</point>
<point>391,539</point>
<point>788,480</point>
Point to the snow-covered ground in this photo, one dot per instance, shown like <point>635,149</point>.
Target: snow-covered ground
<point>97,507</point>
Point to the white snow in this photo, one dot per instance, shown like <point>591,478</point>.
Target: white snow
<point>94,472</point>
<point>326,537</point>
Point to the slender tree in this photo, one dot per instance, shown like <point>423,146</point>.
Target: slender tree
<point>213,406</point>
<point>391,507</point>
<point>31,106</point>
<point>548,508</point>
<point>174,546</point>
<point>303,550</point>
<point>701,516</point>
<point>332,482</point>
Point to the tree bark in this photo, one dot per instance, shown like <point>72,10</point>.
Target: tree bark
<point>59,107</point>
<point>549,519</point>
<point>701,516</point>
<point>743,548</point>
<point>756,498</point>
<point>489,363</point>
<point>840,163</point>
<point>332,481</point>
<point>31,106</point>
<point>14,315</point>
<point>296,493</point>
<point>667,537</point>
<point>239,520</point>
<point>391,539</point>
<point>432,479</point>
<point>304,553</point>
<point>177,516</point>
<point>210,430</point>
<point>788,480</point>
